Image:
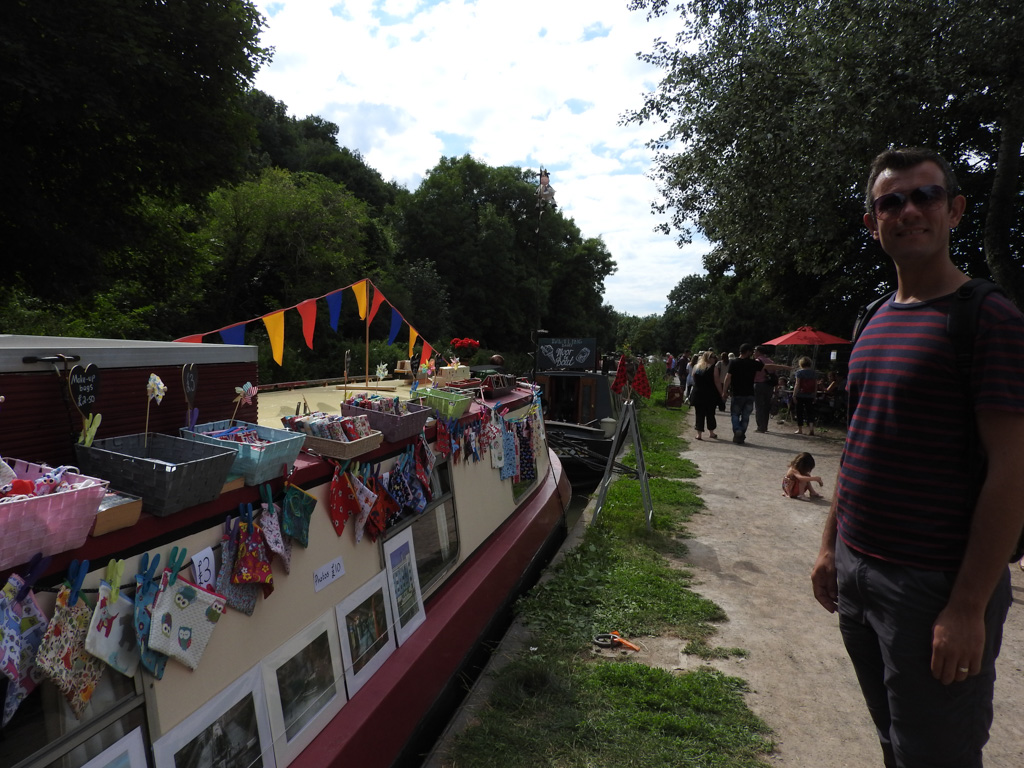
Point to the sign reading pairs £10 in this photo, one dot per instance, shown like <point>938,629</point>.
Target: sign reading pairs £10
<point>564,354</point>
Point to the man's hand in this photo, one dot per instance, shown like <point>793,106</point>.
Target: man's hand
<point>958,642</point>
<point>823,580</point>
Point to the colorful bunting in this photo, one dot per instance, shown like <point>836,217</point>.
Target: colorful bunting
<point>234,334</point>
<point>412,339</point>
<point>378,299</point>
<point>275,330</point>
<point>334,305</point>
<point>425,354</point>
<point>196,338</point>
<point>359,289</point>
<point>307,311</point>
<point>396,326</point>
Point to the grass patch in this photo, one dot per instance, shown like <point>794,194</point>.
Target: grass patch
<point>557,704</point>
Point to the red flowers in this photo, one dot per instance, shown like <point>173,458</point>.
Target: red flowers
<point>465,345</point>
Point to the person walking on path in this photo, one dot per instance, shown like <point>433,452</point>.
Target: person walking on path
<point>914,551</point>
<point>805,394</point>
<point>764,387</point>
<point>706,394</point>
<point>739,382</point>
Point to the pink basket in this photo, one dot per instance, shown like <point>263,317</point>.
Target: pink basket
<point>49,524</point>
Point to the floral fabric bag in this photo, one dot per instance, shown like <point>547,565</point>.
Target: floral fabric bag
<point>241,597</point>
<point>62,656</point>
<point>31,627</point>
<point>146,588</point>
<point>184,617</point>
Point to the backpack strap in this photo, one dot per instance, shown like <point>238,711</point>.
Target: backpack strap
<point>866,313</point>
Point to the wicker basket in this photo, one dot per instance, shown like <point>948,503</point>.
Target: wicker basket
<point>169,473</point>
<point>392,426</point>
<point>337,449</point>
<point>449,405</point>
<point>256,463</point>
<point>49,524</point>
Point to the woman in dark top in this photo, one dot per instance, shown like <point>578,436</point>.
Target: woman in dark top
<point>706,393</point>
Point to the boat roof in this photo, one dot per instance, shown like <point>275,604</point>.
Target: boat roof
<point>25,354</point>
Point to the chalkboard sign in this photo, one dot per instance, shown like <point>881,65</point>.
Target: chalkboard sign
<point>84,387</point>
<point>190,382</point>
<point>572,354</point>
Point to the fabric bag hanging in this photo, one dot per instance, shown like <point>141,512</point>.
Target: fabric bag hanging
<point>31,627</point>
<point>184,617</point>
<point>241,597</point>
<point>252,566</point>
<point>111,637</point>
<point>274,537</point>
<point>342,502</point>
<point>296,510</point>
<point>146,588</point>
<point>384,509</point>
<point>62,656</point>
<point>366,499</point>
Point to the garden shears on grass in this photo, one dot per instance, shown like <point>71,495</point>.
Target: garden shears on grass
<point>613,640</point>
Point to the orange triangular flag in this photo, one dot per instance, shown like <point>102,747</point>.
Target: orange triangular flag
<point>640,383</point>
<point>307,310</point>
<point>620,376</point>
<point>359,289</point>
<point>412,339</point>
<point>378,299</point>
<point>275,330</point>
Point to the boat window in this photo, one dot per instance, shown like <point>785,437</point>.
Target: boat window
<point>435,534</point>
<point>43,732</point>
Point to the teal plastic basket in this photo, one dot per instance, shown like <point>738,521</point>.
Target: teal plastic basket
<point>257,463</point>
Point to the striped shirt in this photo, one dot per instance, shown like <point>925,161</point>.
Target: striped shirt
<point>905,491</point>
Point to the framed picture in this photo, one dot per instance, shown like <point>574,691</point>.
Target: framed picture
<point>232,728</point>
<point>404,583</point>
<point>128,752</point>
<point>305,687</point>
<point>365,621</point>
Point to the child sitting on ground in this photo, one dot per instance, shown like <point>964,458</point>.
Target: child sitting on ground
<point>798,478</point>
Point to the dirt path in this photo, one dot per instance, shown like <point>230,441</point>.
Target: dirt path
<point>752,553</point>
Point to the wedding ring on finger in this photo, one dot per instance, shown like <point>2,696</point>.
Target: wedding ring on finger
<point>963,670</point>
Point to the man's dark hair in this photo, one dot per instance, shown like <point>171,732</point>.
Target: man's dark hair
<point>745,347</point>
<point>908,157</point>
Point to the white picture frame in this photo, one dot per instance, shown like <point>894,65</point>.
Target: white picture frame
<point>404,584</point>
<point>365,623</point>
<point>234,726</point>
<point>127,752</point>
<point>305,686</point>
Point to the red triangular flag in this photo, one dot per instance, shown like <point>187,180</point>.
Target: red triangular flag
<point>307,311</point>
<point>640,383</point>
<point>620,376</point>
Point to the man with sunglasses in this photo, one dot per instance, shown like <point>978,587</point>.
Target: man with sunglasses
<point>914,552</point>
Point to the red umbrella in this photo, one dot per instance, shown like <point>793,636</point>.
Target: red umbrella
<point>805,335</point>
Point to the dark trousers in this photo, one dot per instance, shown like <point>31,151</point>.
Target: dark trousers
<point>886,613</point>
<point>705,413</point>
<point>763,405</point>
<point>805,410</point>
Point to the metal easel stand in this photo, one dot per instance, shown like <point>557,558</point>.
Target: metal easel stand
<point>627,429</point>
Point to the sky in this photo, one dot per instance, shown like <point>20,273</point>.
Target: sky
<point>525,84</point>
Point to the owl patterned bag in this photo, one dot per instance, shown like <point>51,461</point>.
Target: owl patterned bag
<point>184,617</point>
<point>62,656</point>
<point>31,628</point>
<point>111,637</point>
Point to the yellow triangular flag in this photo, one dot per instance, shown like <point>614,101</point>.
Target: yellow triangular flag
<point>412,339</point>
<point>275,330</point>
<point>359,289</point>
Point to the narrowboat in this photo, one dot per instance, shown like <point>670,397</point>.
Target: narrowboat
<point>360,650</point>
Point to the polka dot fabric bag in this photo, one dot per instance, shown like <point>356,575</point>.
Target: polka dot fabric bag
<point>184,617</point>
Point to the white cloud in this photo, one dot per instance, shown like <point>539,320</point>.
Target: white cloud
<point>531,83</point>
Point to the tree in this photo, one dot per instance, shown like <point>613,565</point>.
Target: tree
<point>105,104</point>
<point>772,113</point>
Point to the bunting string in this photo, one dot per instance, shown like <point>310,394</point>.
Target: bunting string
<point>368,306</point>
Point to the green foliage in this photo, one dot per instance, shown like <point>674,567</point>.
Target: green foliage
<point>105,104</point>
<point>771,112</point>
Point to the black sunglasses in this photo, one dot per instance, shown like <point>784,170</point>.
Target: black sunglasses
<point>924,198</point>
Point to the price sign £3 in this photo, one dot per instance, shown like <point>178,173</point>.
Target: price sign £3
<point>84,385</point>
